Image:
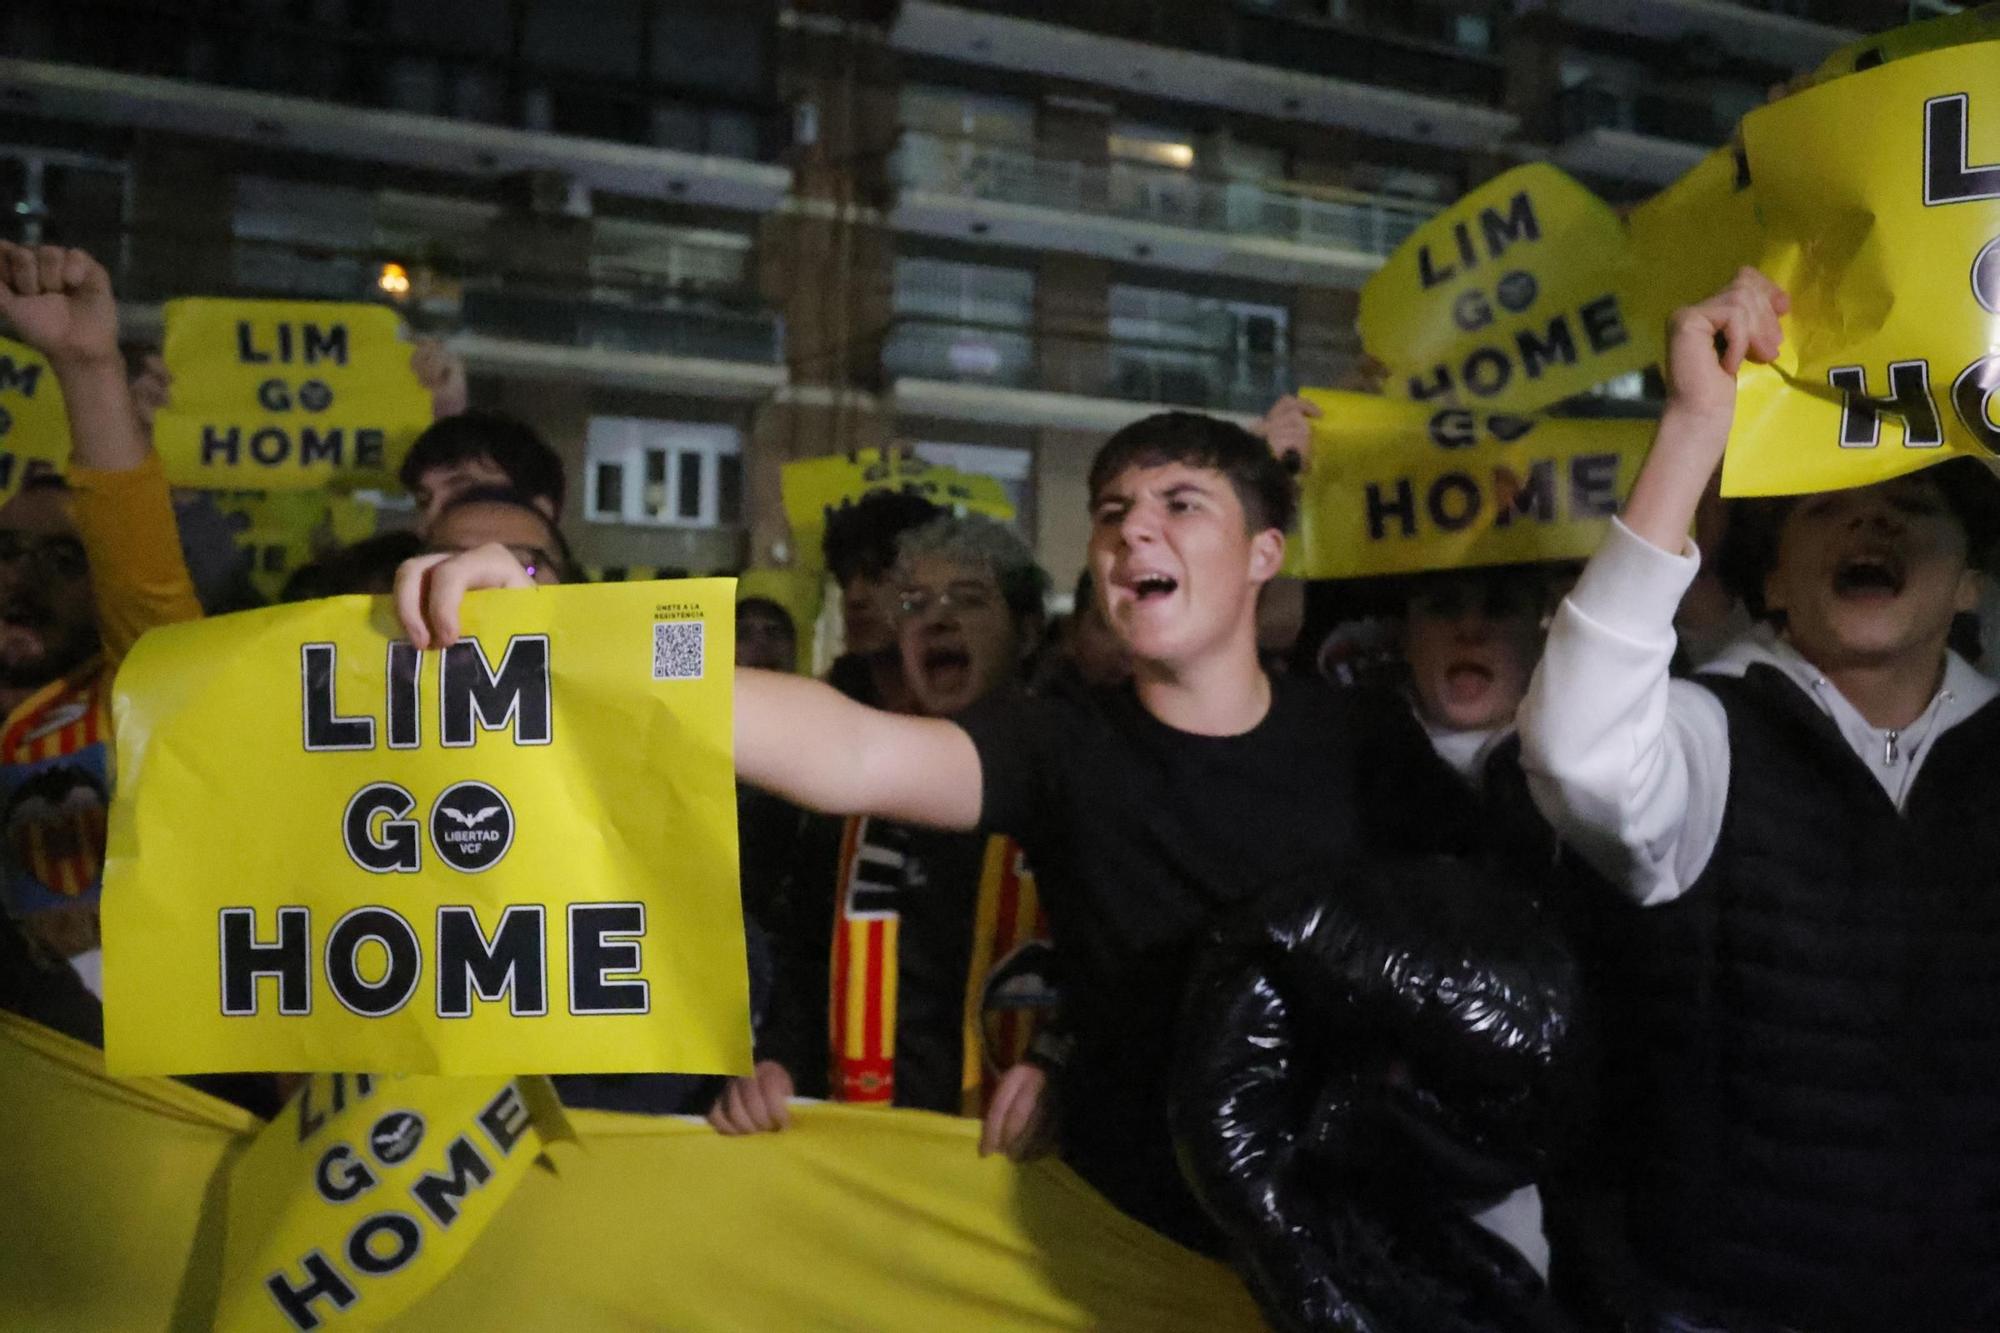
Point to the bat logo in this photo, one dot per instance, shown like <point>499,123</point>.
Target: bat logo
<point>395,1136</point>
<point>472,826</point>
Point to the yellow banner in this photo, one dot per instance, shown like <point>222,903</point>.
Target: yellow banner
<point>1881,202</point>
<point>856,1218</point>
<point>1509,300</point>
<point>330,851</point>
<point>1689,239</point>
<point>365,1192</point>
<point>814,488</point>
<point>34,425</point>
<point>287,395</point>
<point>1394,488</point>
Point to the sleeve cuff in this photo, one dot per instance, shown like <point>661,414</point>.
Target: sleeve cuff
<point>1631,587</point>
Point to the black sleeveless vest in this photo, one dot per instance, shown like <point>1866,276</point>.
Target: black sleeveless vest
<point>1817,1026</point>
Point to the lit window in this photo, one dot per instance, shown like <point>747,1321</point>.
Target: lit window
<point>688,474</point>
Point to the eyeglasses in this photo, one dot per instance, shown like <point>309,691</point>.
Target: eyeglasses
<point>61,556</point>
<point>916,603</point>
<point>533,559</point>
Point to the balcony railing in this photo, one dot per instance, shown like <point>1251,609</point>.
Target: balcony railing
<point>1166,373</point>
<point>490,70</point>
<point>610,312</point>
<point>975,169</point>
<point>1394,44</point>
<point>1589,106</point>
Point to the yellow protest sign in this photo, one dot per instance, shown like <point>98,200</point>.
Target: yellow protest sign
<point>365,1192</point>
<point>1689,240</point>
<point>287,395</point>
<point>1881,202</point>
<point>1510,299</point>
<point>854,1218</point>
<point>1396,488</point>
<point>1978,24</point>
<point>34,425</point>
<point>278,529</point>
<point>814,488</point>
<point>331,851</point>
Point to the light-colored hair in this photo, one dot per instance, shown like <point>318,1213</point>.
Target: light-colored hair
<point>978,540</point>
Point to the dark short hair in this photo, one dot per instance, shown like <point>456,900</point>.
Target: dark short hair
<point>1263,486</point>
<point>861,538</point>
<point>513,499</point>
<point>532,467</point>
<point>366,566</point>
<point>1750,547</point>
<point>769,607</point>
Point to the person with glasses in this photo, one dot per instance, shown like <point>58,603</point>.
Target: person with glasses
<point>87,565</point>
<point>509,518</point>
<point>946,923</point>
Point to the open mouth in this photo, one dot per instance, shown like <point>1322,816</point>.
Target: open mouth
<point>1151,587</point>
<point>1867,577</point>
<point>947,669</point>
<point>1466,681</point>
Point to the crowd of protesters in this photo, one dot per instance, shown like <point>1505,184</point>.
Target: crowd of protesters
<point>1734,788</point>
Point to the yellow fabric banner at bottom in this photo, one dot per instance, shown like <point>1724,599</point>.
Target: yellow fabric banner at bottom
<point>852,1219</point>
<point>365,1192</point>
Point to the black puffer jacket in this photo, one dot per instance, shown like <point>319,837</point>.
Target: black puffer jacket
<point>1363,1066</point>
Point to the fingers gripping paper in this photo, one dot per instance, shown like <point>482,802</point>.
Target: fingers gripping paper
<point>330,851</point>
<point>1881,202</point>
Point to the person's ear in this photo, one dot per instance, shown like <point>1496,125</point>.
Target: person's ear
<point>1774,602</point>
<point>547,505</point>
<point>1965,597</point>
<point>1267,555</point>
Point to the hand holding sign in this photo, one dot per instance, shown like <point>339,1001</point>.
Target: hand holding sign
<point>1708,343</point>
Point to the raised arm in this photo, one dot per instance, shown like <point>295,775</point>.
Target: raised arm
<point>799,738</point>
<point>60,303</point>
<point>1630,767</point>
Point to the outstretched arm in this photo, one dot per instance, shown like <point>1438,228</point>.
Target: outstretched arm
<point>800,739</point>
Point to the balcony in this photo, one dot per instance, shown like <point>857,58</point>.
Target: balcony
<point>612,331</point>
<point>1009,375</point>
<point>1378,82</point>
<point>1787,35</point>
<point>1008,195</point>
<point>296,125</point>
<point>1649,137</point>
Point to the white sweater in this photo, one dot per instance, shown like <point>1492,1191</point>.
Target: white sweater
<point>1631,767</point>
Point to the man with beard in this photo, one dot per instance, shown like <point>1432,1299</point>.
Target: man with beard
<point>916,977</point>
<point>86,567</point>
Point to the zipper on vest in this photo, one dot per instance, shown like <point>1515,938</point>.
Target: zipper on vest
<point>1889,751</point>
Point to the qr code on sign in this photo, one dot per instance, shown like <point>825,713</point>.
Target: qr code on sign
<point>677,649</point>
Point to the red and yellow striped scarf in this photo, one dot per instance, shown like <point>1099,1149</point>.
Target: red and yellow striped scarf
<point>862,1015</point>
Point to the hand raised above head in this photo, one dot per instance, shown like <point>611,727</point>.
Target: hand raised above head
<point>59,302</point>
<point>1708,343</point>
